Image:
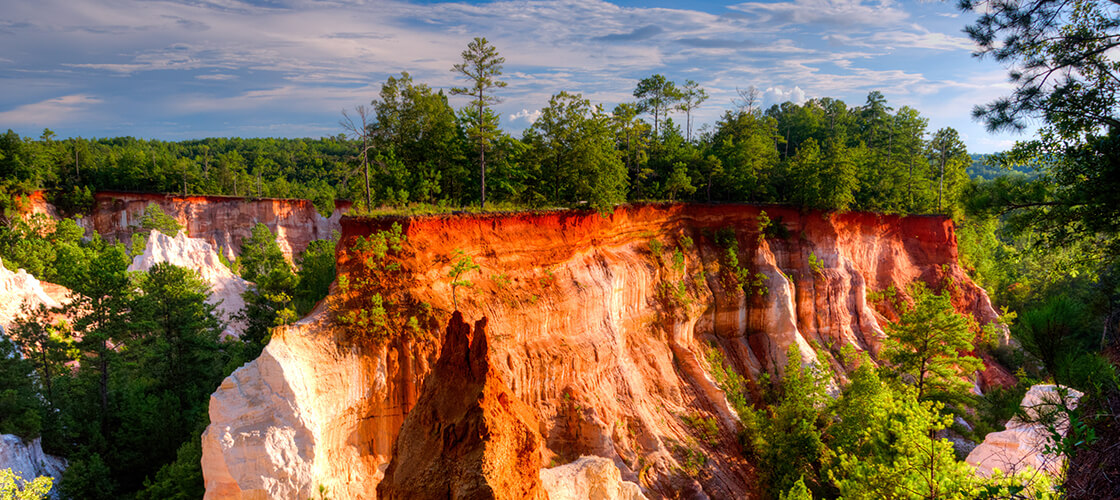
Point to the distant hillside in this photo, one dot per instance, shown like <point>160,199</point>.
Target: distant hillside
<point>980,169</point>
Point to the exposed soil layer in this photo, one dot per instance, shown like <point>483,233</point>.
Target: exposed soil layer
<point>602,325</point>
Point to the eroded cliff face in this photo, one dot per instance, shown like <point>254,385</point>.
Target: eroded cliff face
<point>20,292</point>
<point>198,255</point>
<point>601,336</point>
<point>468,437</point>
<point>223,221</point>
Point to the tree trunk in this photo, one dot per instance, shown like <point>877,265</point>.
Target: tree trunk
<point>481,152</point>
<point>365,163</point>
<point>941,183</point>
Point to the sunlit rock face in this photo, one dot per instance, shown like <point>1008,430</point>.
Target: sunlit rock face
<point>226,288</point>
<point>20,291</point>
<point>586,330</point>
<point>223,221</point>
<point>1022,444</point>
<point>588,478</point>
<point>27,460</point>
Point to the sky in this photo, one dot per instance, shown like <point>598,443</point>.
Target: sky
<point>184,69</point>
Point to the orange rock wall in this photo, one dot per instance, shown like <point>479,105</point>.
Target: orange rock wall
<point>583,332</point>
<point>222,220</point>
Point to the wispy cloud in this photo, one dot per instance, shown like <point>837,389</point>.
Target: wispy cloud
<point>829,13</point>
<point>643,33</point>
<point>50,111</point>
<point>210,63</point>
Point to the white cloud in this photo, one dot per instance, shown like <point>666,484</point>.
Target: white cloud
<point>49,112</point>
<point>834,13</point>
<point>317,57</point>
<point>774,95</point>
<point>524,114</point>
<point>896,39</point>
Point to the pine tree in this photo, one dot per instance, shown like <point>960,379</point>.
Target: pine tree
<point>927,343</point>
<point>481,66</point>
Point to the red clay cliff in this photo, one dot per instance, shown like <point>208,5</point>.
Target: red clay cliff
<point>599,324</point>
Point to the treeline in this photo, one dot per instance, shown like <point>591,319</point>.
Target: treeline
<point>419,151</point>
<point>72,169</point>
<point>118,380</point>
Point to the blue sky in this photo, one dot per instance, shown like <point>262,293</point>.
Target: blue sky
<point>181,69</point>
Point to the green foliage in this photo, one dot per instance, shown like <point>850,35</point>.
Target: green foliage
<point>882,444</point>
<point>460,263</point>
<point>816,264</point>
<point>732,384</point>
<point>926,344</point>
<point>19,404</point>
<point>692,460</point>
<point>657,95</point>
<point>797,492</point>
<point>178,480</point>
<point>154,218</point>
<point>270,302</point>
<point>375,302</point>
<point>14,487</point>
<point>87,477</point>
<point>37,243</point>
<point>481,66</point>
<point>655,248</point>
<point>733,276</point>
<point>315,275</point>
<point>1058,332</point>
<point>786,437</point>
<point>705,428</point>
<point>571,149</point>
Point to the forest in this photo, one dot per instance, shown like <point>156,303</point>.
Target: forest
<point>1037,226</point>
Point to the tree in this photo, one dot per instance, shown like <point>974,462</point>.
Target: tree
<point>1063,66</point>
<point>19,401</point>
<point>744,142</point>
<point>269,303</point>
<point>100,305</point>
<point>315,275</point>
<point>882,444</point>
<point>155,218</point>
<point>786,435</point>
<point>949,153</point>
<point>177,332</point>
<point>13,487</point>
<point>656,95</point>
<point>925,346</point>
<point>481,66</point>
<point>43,344</point>
<point>632,138</point>
<point>358,127</point>
<point>416,134</point>
<point>573,151</point>
<point>692,96</point>
<point>461,263</point>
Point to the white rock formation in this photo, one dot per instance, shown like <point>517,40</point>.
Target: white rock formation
<point>1021,445</point>
<point>200,256</point>
<point>28,461</point>
<point>18,289</point>
<point>589,478</point>
<point>293,419</point>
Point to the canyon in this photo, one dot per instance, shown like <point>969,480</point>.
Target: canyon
<point>601,326</point>
<point>222,221</point>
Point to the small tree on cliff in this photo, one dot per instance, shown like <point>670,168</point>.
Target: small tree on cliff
<point>926,343</point>
<point>481,66</point>
<point>462,263</point>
